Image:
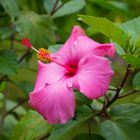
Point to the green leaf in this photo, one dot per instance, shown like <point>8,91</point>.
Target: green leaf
<point>96,105</point>
<point>137,43</point>
<point>61,132</point>
<point>8,62</point>
<point>106,27</point>
<point>25,86</point>
<point>133,60</point>
<point>132,26</point>
<point>136,81</point>
<point>116,6</point>
<point>124,123</point>
<point>81,99</point>
<point>137,46</point>
<point>2,86</point>
<point>119,49</point>
<point>31,126</point>
<point>49,4</point>
<point>38,28</point>
<point>10,104</point>
<point>128,110</point>
<point>121,129</point>
<point>54,48</point>
<point>10,7</point>
<point>1,100</point>
<point>88,137</point>
<point>6,32</point>
<point>70,7</point>
<point>9,123</point>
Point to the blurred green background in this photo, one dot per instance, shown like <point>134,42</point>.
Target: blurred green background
<point>48,26</point>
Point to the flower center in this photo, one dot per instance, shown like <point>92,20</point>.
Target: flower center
<point>44,55</point>
<point>71,73</point>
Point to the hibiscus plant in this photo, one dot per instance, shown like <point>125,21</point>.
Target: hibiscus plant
<point>77,78</point>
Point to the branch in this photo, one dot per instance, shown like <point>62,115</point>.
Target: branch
<point>3,15</point>
<point>15,107</point>
<point>125,76</point>
<point>54,7</point>
<point>12,41</point>
<point>24,55</point>
<point>3,112</point>
<point>3,78</point>
<point>106,98</point>
<point>120,87</point>
<point>112,89</point>
<point>127,94</point>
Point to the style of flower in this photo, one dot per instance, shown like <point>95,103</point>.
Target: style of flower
<point>79,64</point>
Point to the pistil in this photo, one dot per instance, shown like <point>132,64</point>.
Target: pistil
<point>44,55</point>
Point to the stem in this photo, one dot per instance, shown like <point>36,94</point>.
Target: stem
<point>127,94</point>
<point>3,78</point>
<point>5,94</point>
<point>112,89</point>
<point>54,7</point>
<point>12,41</point>
<point>44,137</point>
<point>3,15</point>
<point>15,107</point>
<point>23,56</point>
<point>120,87</point>
<point>107,98</point>
<point>58,7</point>
<point>125,76</point>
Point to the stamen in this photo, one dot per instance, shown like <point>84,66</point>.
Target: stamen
<point>44,55</point>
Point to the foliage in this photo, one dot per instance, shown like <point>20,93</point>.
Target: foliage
<point>35,123</point>
<point>47,23</point>
<point>106,27</point>
<point>9,66</point>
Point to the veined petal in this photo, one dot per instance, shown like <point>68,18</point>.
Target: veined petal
<point>94,75</point>
<point>47,74</point>
<point>79,45</point>
<point>76,32</point>
<point>86,45</point>
<point>105,49</point>
<point>56,102</point>
<point>69,49</point>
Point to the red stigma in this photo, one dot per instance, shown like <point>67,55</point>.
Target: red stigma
<point>26,42</point>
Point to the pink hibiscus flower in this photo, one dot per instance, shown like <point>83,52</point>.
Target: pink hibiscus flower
<point>80,65</point>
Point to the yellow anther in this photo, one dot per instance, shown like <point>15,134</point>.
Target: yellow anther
<point>44,55</point>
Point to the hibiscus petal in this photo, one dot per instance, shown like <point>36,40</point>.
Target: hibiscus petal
<point>94,75</point>
<point>79,45</point>
<point>55,102</point>
<point>69,49</point>
<point>104,49</point>
<point>47,74</point>
<point>76,32</point>
<point>87,45</point>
